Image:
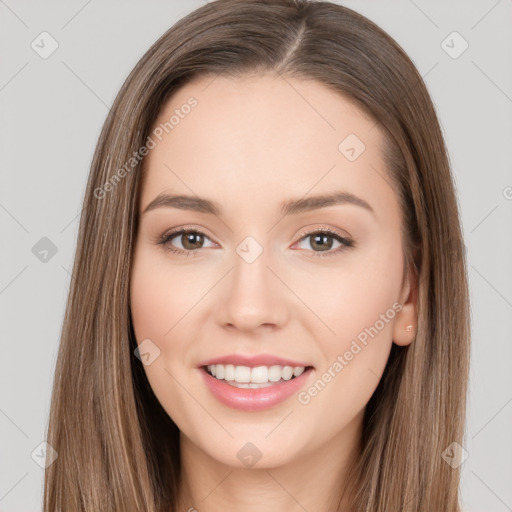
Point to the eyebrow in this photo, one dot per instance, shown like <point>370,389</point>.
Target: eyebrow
<point>288,207</point>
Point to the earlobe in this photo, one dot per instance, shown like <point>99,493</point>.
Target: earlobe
<point>406,336</point>
<point>406,321</point>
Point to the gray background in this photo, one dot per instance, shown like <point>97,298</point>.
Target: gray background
<point>52,112</point>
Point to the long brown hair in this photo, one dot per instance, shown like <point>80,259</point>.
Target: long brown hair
<point>117,448</point>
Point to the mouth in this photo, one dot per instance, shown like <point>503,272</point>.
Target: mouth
<point>254,388</point>
<point>246,377</point>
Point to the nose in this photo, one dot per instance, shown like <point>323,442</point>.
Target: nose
<point>253,296</point>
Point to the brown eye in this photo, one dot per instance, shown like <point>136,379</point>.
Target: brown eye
<point>192,240</point>
<point>322,241</point>
<point>186,241</point>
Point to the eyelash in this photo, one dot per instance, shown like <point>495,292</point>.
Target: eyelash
<point>346,242</point>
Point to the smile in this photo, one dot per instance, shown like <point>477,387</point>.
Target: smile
<point>254,388</point>
<point>254,378</point>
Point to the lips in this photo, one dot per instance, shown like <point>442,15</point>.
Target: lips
<point>235,384</point>
<point>252,361</point>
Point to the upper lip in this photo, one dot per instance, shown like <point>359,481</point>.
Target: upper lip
<point>252,361</point>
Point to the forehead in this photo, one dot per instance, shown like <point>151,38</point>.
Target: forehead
<point>264,138</point>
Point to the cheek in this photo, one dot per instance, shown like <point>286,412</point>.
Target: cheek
<point>151,305</point>
<point>353,295</point>
<point>159,295</point>
<point>159,300</point>
<point>360,308</point>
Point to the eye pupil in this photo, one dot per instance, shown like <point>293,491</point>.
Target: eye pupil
<point>320,241</point>
<point>188,240</point>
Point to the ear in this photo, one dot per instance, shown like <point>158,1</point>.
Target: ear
<point>406,321</point>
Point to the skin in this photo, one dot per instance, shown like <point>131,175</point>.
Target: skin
<point>249,144</point>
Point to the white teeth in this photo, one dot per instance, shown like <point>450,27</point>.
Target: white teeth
<point>229,372</point>
<point>274,373</point>
<point>259,376</point>
<point>242,374</point>
<point>298,370</point>
<point>249,385</point>
<point>287,373</point>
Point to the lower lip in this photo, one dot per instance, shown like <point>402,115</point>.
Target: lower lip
<point>254,399</point>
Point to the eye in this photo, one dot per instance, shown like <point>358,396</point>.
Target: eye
<point>189,239</point>
<point>193,239</point>
<point>323,240</point>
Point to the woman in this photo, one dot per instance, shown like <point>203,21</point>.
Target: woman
<point>269,304</point>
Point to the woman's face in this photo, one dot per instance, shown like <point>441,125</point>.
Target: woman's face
<point>256,286</point>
